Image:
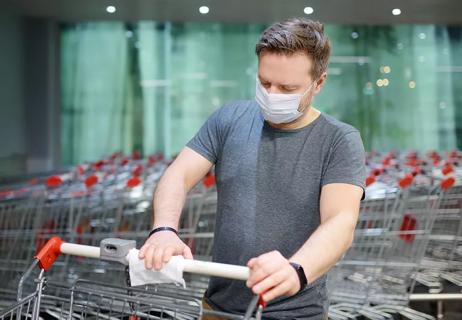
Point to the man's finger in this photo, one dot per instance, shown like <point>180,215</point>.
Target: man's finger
<point>280,290</point>
<point>261,269</point>
<point>256,275</point>
<point>149,255</point>
<point>269,282</point>
<point>141,254</point>
<point>251,262</point>
<point>158,252</point>
<point>187,253</point>
<point>168,252</point>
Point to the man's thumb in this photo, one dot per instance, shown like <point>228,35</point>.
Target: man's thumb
<point>187,253</point>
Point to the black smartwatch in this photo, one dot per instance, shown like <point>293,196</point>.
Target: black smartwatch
<point>301,275</point>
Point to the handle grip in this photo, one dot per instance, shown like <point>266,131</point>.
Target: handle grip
<point>215,269</point>
<point>55,246</point>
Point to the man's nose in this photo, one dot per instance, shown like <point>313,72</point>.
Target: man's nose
<point>273,89</point>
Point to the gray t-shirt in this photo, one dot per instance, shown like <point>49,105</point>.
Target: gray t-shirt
<point>269,183</point>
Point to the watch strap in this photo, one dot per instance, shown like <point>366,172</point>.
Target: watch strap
<point>301,275</point>
<point>162,229</point>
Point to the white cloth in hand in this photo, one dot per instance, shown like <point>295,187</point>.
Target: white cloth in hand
<point>172,272</point>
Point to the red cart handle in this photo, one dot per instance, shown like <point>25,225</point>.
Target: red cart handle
<point>49,253</point>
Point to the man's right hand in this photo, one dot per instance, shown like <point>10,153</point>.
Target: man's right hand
<point>160,247</point>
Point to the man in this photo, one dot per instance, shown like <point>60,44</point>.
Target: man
<point>289,182</point>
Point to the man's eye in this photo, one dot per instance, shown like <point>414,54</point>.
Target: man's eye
<point>266,85</point>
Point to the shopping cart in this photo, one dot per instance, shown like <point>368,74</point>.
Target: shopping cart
<point>93,300</point>
<point>440,277</point>
<point>109,198</point>
<point>375,277</point>
<point>85,209</point>
<point>198,221</point>
<point>18,218</point>
<point>113,198</point>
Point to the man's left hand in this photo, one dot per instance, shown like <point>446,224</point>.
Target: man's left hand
<point>272,275</point>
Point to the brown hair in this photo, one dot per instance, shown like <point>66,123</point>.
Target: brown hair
<point>297,35</point>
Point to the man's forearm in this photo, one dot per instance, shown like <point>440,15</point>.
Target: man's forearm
<point>326,246</point>
<point>169,199</point>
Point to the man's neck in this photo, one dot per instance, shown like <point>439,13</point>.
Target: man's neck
<point>309,116</point>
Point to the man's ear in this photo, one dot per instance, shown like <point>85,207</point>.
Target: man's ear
<point>320,83</point>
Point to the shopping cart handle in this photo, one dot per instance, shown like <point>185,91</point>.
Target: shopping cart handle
<point>49,253</point>
<point>215,269</point>
<point>114,249</point>
<point>56,246</point>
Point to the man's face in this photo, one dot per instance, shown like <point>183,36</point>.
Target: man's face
<point>288,74</point>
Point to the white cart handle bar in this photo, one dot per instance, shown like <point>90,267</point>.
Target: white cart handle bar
<point>114,249</point>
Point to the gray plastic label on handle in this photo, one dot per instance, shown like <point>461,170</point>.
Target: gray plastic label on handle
<point>114,249</point>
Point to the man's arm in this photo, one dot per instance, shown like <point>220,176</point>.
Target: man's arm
<point>272,274</point>
<point>169,198</point>
<point>339,207</point>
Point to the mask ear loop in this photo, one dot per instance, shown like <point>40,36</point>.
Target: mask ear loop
<point>309,88</point>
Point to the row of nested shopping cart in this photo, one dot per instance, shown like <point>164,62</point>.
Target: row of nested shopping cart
<point>409,234</point>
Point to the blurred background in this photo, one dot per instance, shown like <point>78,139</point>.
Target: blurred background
<point>80,80</point>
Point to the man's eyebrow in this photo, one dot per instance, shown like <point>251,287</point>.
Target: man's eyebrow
<point>289,85</point>
<point>261,79</point>
<point>280,85</point>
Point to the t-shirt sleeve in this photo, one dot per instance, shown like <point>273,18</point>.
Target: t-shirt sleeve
<point>208,141</point>
<point>346,162</point>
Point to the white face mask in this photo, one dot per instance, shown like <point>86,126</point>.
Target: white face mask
<point>277,107</point>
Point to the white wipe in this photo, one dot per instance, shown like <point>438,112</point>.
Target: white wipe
<point>172,272</point>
